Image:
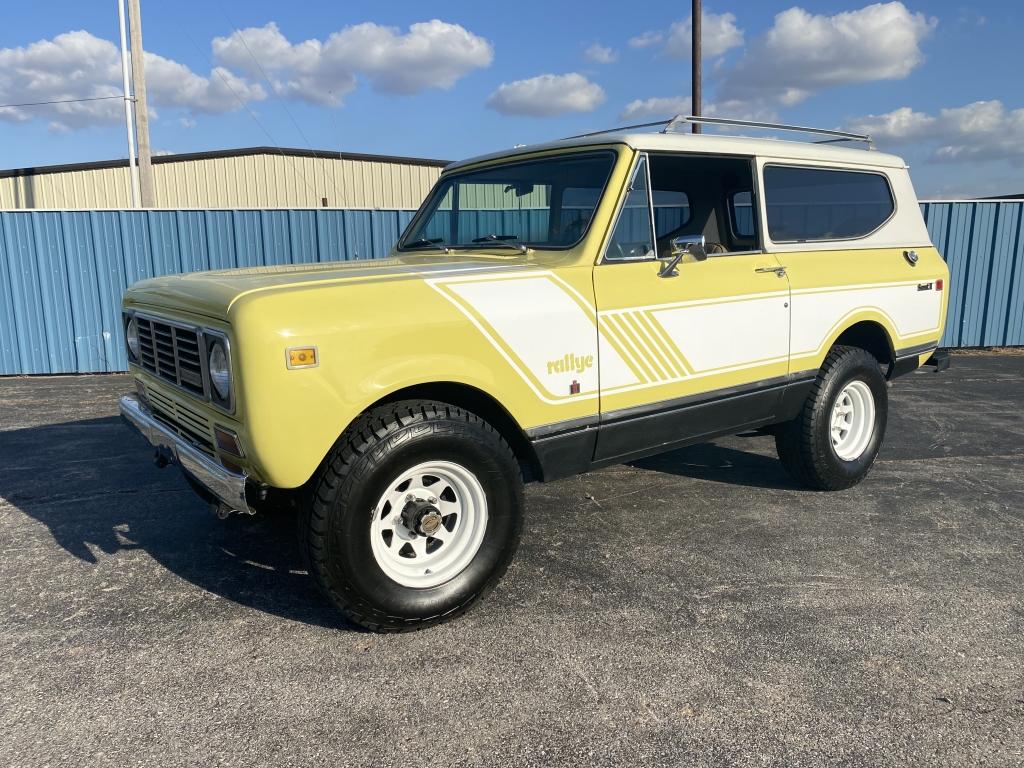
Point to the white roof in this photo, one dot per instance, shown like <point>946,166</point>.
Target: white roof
<point>710,144</point>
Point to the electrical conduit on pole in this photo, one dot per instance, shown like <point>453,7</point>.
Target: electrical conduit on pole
<point>132,171</point>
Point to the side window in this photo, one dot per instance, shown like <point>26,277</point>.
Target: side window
<point>671,211</point>
<point>633,238</point>
<point>741,214</point>
<point>822,204</point>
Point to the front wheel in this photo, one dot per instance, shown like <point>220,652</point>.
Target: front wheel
<point>414,516</point>
<point>834,440</point>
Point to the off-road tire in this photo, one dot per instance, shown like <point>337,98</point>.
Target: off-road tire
<point>805,445</point>
<point>334,522</point>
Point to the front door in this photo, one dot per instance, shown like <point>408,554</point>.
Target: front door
<point>698,353</point>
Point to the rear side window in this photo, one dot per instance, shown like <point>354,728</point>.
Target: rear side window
<point>823,204</point>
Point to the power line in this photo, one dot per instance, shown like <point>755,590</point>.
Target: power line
<point>266,77</point>
<point>58,101</point>
<point>248,109</point>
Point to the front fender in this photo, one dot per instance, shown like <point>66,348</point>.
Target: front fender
<point>373,339</point>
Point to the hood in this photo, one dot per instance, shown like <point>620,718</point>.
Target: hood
<point>211,294</point>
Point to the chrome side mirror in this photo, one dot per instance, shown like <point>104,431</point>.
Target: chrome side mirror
<point>692,245</point>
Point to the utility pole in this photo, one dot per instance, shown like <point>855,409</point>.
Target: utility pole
<point>695,104</point>
<point>141,111</point>
<point>132,173</point>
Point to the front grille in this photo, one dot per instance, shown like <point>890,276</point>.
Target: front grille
<point>188,423</point>
<point>171,352</point>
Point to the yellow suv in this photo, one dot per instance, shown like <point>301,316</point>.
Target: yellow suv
<point>549,310</point>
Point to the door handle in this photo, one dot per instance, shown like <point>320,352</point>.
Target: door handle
<point>779,271</point>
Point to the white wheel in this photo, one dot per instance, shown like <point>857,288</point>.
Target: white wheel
<point>429,524</point>
<point>853,420</point>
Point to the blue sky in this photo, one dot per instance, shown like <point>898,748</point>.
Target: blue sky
<point>388,78</point>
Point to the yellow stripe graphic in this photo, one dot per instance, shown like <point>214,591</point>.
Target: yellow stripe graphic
<point>668,362</point>
<point>677,355</point>
<point>636,357</point>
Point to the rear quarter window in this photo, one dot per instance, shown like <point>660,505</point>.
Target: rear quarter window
<point>824,204</point>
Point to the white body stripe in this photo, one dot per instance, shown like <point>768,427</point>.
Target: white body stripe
<point>816,313</point>
<point>715,336</point>
<point>546,330</point>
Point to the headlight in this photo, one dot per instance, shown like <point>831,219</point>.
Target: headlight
<point>131,335</point>
<point>220,370</point>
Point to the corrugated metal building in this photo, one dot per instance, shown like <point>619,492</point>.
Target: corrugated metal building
<point>258,177</point>
<point>62,274</point>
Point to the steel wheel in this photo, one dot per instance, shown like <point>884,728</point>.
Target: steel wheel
<point>853,420</point>
<point>429,524</point>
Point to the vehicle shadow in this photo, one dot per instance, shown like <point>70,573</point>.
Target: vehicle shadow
<point>91,483</point>
<point>722,464</point>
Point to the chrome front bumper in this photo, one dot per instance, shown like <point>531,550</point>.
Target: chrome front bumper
<point>225,485</point>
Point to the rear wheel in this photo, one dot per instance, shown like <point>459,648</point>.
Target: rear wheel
<point>414,516</point>
<point>834,440</point>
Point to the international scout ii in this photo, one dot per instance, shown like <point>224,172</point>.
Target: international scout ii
<point>549,310</point>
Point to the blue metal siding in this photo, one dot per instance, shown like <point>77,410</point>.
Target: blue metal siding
<point>62,274</point>
<point>983,244</point>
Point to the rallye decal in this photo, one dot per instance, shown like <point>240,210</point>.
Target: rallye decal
<point>542,326</point>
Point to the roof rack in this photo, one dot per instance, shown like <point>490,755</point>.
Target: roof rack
<point>675,122</point>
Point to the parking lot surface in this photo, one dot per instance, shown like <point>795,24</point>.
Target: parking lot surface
<point>691,609</point>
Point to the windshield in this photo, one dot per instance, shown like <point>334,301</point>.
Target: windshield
<point>538,203</point>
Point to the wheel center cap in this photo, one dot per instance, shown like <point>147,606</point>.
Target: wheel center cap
<point>430,522</point>
<point>422,517</point>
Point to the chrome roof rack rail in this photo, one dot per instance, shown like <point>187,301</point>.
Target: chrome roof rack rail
<point>616,130</point>
<point>835,136</point>
<point>672,124</point>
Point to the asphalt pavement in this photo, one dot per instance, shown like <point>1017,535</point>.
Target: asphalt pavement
<point>692,609</point>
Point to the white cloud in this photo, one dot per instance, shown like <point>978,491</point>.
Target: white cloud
<point>600,54</point>
<point>802,53</point>
<point>646,39</point>
<point>656,107</point>
<point>719,35</point>
<point>171,84</point>
<point>547,95</point>
<point>79,65</point>
<point>664,107</point>
<point>977,132</point>
<point>432,54</point>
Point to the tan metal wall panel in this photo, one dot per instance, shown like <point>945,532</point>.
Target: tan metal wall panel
<point>246,181</point>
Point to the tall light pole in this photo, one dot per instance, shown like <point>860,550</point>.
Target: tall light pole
<point>141,111</point>
<point>695,101</point>
<point>128,107</point>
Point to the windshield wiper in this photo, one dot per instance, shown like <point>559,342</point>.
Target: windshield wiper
<point>424,242</point>
<point>502,240</point>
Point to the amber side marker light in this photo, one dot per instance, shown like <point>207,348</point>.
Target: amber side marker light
<point>302,357</point>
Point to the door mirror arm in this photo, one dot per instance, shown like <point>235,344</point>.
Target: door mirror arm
<point>668,269</point>
<point>681,246</point>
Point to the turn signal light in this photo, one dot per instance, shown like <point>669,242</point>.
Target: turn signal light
<point>227,441</point>
<point>302,357</point>
<point>938,285</point>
